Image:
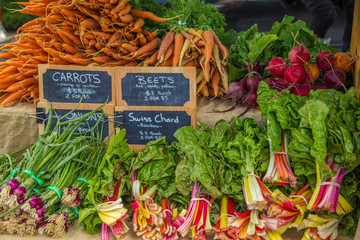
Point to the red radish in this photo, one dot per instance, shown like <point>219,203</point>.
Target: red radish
<point>319,85</point>
<point>295,74</point>
<point>335,78</point>
<point>252,83</point>
<point>277,66</point>
<point>325,60</point>
<point>299,54</point>
<point>302,90</point>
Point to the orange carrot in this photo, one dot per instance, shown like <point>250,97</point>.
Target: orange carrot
<point>209,40</point>
<point>190,38</point>
<point>102,59</point>
<point>215,81</point>
<point>178,43</point>
<point>152,59</point>
<point>142,39</point>
<point>73,38</point>
<point>34,93</point>
<point>167,63</point>
<point>153,44</point>
<point>205,91</point>
<point>21,85</point>
<point>139,23</point>
<point>7,55</point>
<point>89,12</point>
<point>147,15</point>
<point>149,35</point>
<point>125,10</point>
<point>127,18</point>
<point>89,23</point>
<point>192,63</point>
<point>169,52</point>
<point>165,43</point>
<point>224,51</point>
<point>129,47</point>
<point>8,69</point>
<point>133,64</point>
<point>15,96</point>
<point>70,49</point>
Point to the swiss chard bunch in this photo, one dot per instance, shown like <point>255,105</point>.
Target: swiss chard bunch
<point>110,177</point>
<point>153,189</point>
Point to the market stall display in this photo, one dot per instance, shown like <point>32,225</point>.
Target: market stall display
<point>296,167</point>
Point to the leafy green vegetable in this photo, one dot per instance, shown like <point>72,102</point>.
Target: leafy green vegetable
<point>115,164</point>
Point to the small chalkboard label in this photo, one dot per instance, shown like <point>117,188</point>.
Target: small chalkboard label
<point>85,125</point>
<point>69,86</point>
<point>144,126</point>
<point>155,89</point>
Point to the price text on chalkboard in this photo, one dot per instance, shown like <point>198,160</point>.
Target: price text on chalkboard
<point>144,126</point>
<point>155,89</point>
<point>85,125</point>
<point>70,85</point>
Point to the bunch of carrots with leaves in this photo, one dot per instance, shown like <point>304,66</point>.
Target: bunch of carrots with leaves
<point>195,48</point>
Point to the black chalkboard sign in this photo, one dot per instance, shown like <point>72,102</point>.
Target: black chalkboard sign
<point>144,126</point>
<point>155,89</point>
<point>85,125</point>
<point>69,86</point>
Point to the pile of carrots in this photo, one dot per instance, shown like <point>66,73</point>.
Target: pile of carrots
<point>201,49</point>
<point>102,33</point>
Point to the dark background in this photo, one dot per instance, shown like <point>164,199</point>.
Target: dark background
<point>241,14</point>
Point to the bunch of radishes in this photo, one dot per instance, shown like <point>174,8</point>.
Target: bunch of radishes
<point>300,76</point>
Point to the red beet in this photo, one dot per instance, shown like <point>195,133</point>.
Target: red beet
<point>236,91</point>
<point>325,59</point>
<point>317,86</point>
<point>299,54</point>
<point>302,90</point>
<point>335,78</point>
<point>277,67</point>
<point>282,83</point>
<point>295,74</point>
<point>252,83</point>
<point>249,99</point>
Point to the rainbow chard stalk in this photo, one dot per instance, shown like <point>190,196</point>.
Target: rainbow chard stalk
<point>247,225</point>
<point>317,227</point>
<point>328,195</point>
<point>197,218</point>
<point>279,170</point>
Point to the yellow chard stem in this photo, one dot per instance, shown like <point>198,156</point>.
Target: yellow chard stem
<point>317,188</point>
<point>223,212</point>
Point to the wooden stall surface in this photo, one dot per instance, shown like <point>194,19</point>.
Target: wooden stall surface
<point>355,45</point>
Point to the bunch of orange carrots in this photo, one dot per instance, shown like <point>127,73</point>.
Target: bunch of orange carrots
<point>199,48</point>
<point>104,33</point>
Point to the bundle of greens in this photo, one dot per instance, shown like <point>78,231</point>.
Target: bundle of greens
<point>324,147</point>
<point>152,177</point>
<point>110,187</point>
